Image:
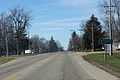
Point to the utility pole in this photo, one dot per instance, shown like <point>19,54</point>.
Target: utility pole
<point>28,40</point>
<point>110,24</point>
<point>6,41</point>
<point>71,33</point>
<point>81,42</point>
<point>16,37</point>
<point>92,36</point>
<point>17,45</point>
<point>38,46</point>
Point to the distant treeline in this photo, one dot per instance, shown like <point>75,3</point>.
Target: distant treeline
<point>41,45</point>
<point>14,39</point>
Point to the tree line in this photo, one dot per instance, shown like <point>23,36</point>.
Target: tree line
<point>13,28</point>
<point>14,39</point>
<point>115,18</point>
<point>93,30</point>
<point>41,45</point>
<point>92,27</point>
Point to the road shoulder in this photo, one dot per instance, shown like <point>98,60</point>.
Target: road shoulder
<point>93,70</point>
<point>105,68</point>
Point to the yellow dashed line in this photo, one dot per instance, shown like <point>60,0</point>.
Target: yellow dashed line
<point>13,77</point>
<point>39,62</point>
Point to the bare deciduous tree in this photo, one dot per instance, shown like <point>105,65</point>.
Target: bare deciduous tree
<point>6,32</point>
<point>20,18</point>
<point>115,18</point>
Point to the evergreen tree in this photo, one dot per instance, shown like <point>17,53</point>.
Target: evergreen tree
<point>95,25</point>
<point>70,45</point>
<point>52,47</point>
<point>74,42</point>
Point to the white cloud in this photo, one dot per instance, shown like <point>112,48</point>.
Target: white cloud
<point>62,22</point>
<point>42,23</point>
<point>68,24</point>
<point>69,19</point>
<point>75,2</point>
<point>39,9</point>
<point>48,35</point>
<point>56,24</point>
<point>52,29</point>
<point>41,17</point>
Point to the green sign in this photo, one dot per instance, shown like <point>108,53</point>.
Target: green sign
<point>106,41</point>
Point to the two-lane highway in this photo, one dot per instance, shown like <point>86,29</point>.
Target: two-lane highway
<point>10,68</point>
<point>55,66</point>
<point>50,66</point>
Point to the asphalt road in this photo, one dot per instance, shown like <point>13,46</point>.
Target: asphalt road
<point>50,66</point>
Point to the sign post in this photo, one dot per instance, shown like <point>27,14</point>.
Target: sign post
<point>105,52</point>
<point>105,42</point>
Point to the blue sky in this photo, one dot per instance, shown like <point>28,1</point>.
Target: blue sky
<point>55,17</point>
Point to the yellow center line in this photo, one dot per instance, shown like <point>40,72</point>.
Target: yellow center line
<point>13,77</point>
<point>40,62</point>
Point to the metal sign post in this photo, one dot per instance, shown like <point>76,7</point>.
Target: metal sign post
<point>105,42</point>
<point>105,47</point>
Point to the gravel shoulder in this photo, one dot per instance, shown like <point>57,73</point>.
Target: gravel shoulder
<point>94,71</point>
<point>103,67</point>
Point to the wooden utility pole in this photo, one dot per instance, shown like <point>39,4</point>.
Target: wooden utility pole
<point>92,36</point>
<point>110,24</point>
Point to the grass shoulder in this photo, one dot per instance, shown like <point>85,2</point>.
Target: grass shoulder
<point>4,59</point>
<point>112,63</point>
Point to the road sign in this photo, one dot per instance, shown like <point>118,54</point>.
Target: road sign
<point>106,41</point>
